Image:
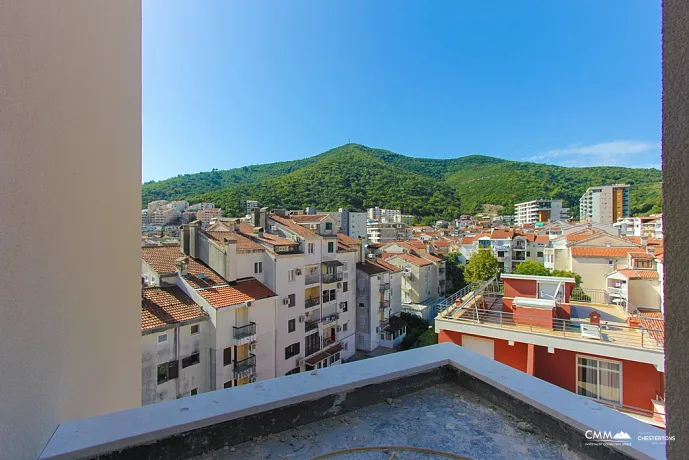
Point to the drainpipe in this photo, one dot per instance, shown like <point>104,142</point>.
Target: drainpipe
<point>177,359</point>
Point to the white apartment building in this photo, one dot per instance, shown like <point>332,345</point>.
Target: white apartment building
<point>383,232</point>
<point>144,217</point>
<point>531,212</point>
<point>174,345</point>
<point>604,204</point>
<point>379,304</point>
<point>423,274</point>
<point>354,224</point>
<point>163,215</point>
<point>384,215</point>
<point>250,205</point>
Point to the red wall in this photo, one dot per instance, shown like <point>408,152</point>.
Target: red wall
<point>520,288</point>
<point>640,382</point>
<point>533,316</point>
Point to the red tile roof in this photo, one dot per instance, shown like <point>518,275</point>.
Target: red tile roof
<point>388,267</point>
<point>346,239</point>
<point>418,261</point>
<point>596,251</point>
<point>295,227</point>
<point>162,259</point>
<point>650,242</point>
<point>431,257</point>
<point>654,322</point>
<point>308,218</point>
<point>239,292</point>
<point>638,274</point>
<point>315,359</point>
<point>500,234</point>
<point>641,255</point>
<point>162,306</point>
<point>542,239</point>
<point>582,235</point>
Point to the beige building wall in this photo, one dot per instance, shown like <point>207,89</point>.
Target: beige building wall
<point>70,134</point>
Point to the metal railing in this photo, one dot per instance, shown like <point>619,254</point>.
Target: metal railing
<point>245,365</point>
<point>616,291</point>
<point>589,296</point>
<point>310,325</point>
<point>384,287</point>
<point>615,334</point>
<point>312,302</point>
<point>332,277</point>
<point>328,341</point>
<point>244,331</point>
<point>312,278</point>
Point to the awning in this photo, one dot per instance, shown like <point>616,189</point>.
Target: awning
<point>546,304</point>
<point>332,263</point>
<point>324,354</point>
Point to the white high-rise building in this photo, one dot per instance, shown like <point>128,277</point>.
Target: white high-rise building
<point>531,212</point>
<point>604,204</point>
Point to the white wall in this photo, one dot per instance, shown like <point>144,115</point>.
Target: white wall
<point>70,132</point>
<point>284,287</point>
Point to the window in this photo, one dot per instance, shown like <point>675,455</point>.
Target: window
<point>312,343</point>
<point>227,384</point>
<point>344,266</point>
<point>329,296</point>
<point>296,370</point>
<point>361,305</point>
<point>501,253</point>
<point>227,356</point>
<point>291,325</point>
<point>539,254</point>
<point>331,246</point>
<point>599,379</point>
<point>345,286</point>
<point>290,275</point>
<point>344,327</point>
<point>344,307</point>
<point>328,225</point>
<point>194,391</point>
<point>528,253</point>
<point>311,248</point>
<point>292,350</point>
<point>332,294</point>
<point>292,300</point>
<point>194,329</point>
<point>162,338</point>
<point>258,267</point>
<point>167,371</point>
<point>191,360</point>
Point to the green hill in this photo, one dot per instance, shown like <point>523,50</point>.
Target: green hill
<point>359,177</point>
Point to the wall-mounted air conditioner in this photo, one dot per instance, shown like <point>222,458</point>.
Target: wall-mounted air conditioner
<point>301,319</point>
<point>252,346</point>
<point>298,271</point>
<point>285,301</point>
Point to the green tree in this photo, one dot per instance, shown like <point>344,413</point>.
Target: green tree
<point>428,337</point>
<point>482,266</point>
<point>454,271</point>
<point>531,268</point>
<point>567,274</point>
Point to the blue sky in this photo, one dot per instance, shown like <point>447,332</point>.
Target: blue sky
<point>230,83</point>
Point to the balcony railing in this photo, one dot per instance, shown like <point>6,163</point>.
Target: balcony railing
<point>617,292</point>
<point>312,278</point>
<point>312,302</point>
<point>589,295</point>
<point>244,367</point>
<point>310,325</point>
<point>327,341</point>
<point>244,332</point>
<point>384,287</point>
<point>332,277</point>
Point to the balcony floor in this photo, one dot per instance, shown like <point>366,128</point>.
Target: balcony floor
<point>444,417</point>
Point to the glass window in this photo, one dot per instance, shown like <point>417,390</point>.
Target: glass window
<point>194,329</point>
<point>331,246</point>
<point>191,360</point>
<point>162,338</point>
<point>258,267</point>
<point>227,356</point>
<point>599,379</point>
<point>328,225</point>
<point>291,325</point>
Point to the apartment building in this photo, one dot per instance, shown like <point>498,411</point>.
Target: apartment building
<point>532,324</point>
<point>590,253</point>
<point>604,204</point>
<point>383,232</point>
<point>174,345</point>
<point>353,224</point>
<point>390,215</point>
<point>206,215</point>
<point>637,286</point>
<point>241,310</point>
<point>379,304</point>
<point>531,212</point>
<point>509,247</point>
<point>250,206</point>
<point>163,215</point>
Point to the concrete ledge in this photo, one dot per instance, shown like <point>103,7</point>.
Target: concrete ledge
<point>193,425</point>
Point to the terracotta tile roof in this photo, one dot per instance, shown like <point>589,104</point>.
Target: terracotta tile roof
<point>324,354</point>
<point>418,261</point>
<point>638,274</point>
<point>500,234</point>
<point>346,239</point>
<point>275,240</point>
<point>654,322</point>
<point>542,239</point>
<point>162,260</point>
<point>308,218</point>
<point>582,235</point>
<point>243,241</point>
<point>650,242</point>
<point>388,267</point>
<point>418,243</point>
<point>660,255</point>
<point>161,306</point>
<point>468,240</point>
<point>370,267</point>
<point>441,243</point>
<point>239,292</point>
<point>296,228</point>
<point>584,251</point>
<point>432,233</point>
<point>641,255</point>
<point>431,257</point>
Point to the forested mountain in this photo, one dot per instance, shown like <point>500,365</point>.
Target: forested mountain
<point>359,177</point>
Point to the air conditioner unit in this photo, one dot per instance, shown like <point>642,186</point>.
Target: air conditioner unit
<point>248,304</point>
<point>300,362</point>
<point>298,271</point>
<point>339,328</point>
<point>252,346</point>
<point>342,304</point>
<point>339,285</point>
<point>301,319</point>
<point>252,379</point>
<point>285,301</point>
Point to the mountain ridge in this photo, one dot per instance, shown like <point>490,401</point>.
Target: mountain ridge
<point>358,176</point>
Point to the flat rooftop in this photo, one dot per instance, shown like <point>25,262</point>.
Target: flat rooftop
<point>446,418</point>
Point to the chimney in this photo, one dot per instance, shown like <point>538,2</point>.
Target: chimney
<point>230,259</point>
<point>181,265</point>
<point>235,225</point>
<point>256,217</point>
<point>258,231</point>
<point>184,239</point>
<point>651,249</point>
<point>194,229</point>
<point>644,241</point>
<point>262,218</point>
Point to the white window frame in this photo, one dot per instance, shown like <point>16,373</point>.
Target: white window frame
<point>595,358</point>
<point>258,267</point>
<point>162,338</point>
<point>290,275</point>
<point>311,248</point>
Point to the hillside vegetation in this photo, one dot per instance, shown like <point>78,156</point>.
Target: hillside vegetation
<point>358,177</point>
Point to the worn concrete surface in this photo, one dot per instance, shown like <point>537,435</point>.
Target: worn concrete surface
<point>444,417</point>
